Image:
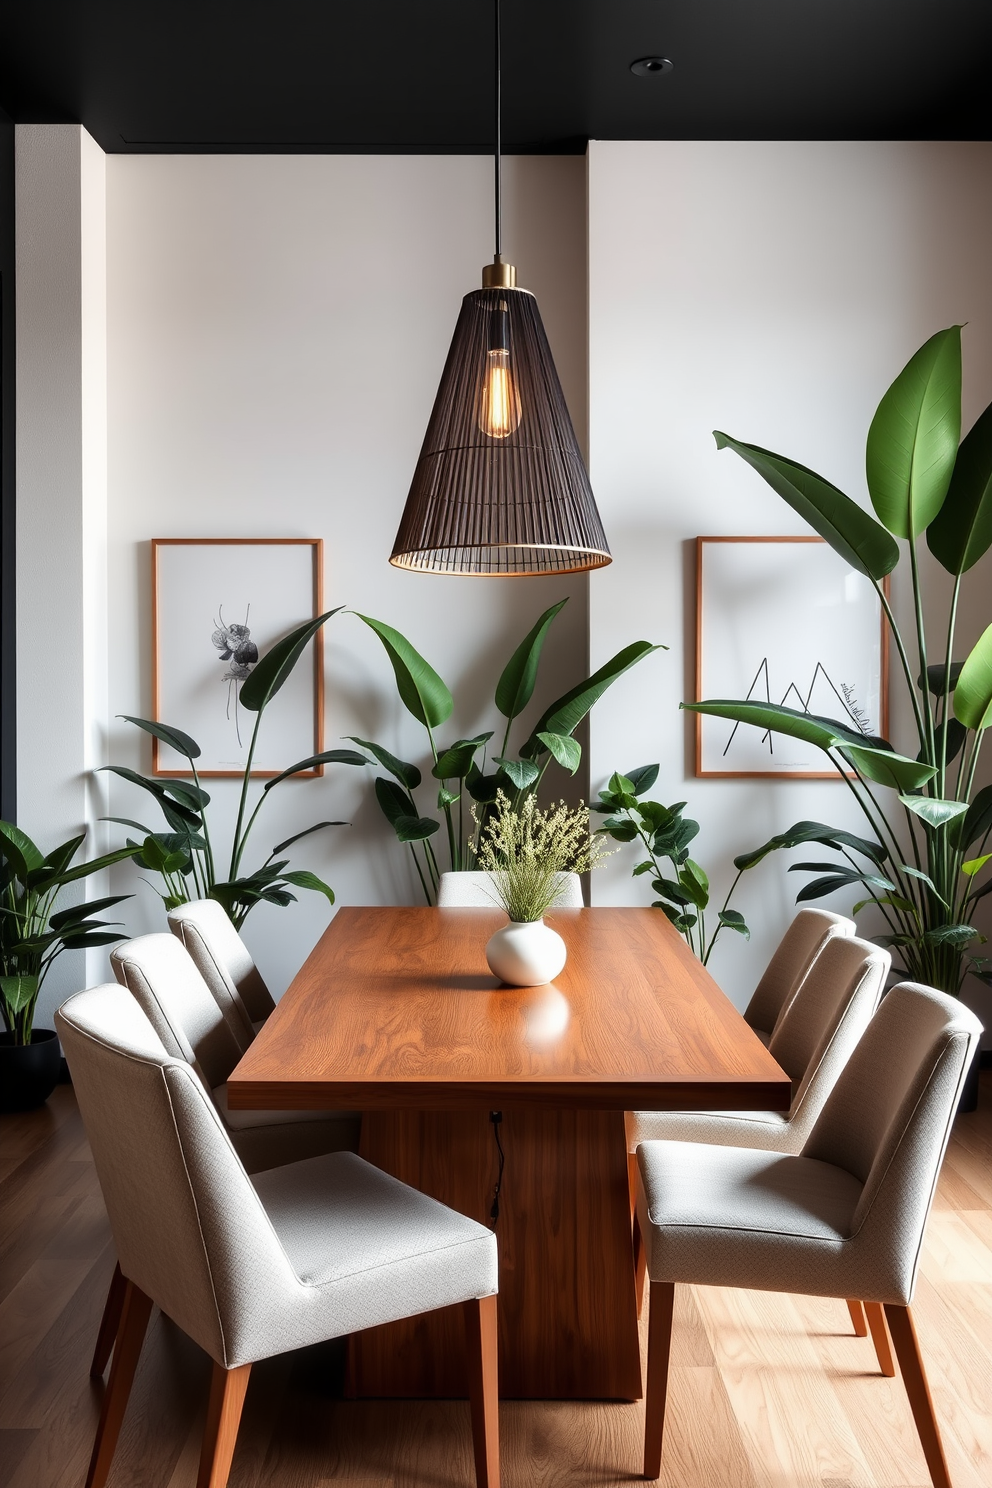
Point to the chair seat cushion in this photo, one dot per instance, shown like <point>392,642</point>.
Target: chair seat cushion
<point>729,1216</point>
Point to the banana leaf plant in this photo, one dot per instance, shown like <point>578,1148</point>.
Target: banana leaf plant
<point>184,856</point>
<point>925,865</point>
<point>33,933</point>
<point>664,833</point>
<point>465,766</point>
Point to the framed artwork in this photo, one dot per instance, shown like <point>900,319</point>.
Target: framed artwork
<point>218,604</point>
<point>784,620</point>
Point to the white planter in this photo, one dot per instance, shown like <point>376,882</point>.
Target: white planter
<point>526,953</point>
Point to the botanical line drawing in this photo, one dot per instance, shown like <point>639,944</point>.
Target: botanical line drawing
<point>235,646</point>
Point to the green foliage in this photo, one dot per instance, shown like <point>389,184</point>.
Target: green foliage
<point>665,833</point>
<point>463,766</point>
<point>33,933</point>
<point>919,480</point>
<point>183,857</point>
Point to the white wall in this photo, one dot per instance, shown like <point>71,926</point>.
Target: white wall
<point>61,495</point>
<point>276,328</point>
<point>772,290</point>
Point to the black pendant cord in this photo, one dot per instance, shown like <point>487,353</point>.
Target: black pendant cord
<point>499,144</point>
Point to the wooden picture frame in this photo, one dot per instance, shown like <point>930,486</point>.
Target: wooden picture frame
<point>767,600</point>
<point>205,592</point>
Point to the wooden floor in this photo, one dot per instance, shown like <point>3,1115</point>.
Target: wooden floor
<point>766,1391</point>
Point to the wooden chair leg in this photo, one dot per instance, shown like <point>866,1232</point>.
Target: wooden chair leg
<point>483,1392</point>
<point>662,1307</point>
<point>127,1350</point>
<point>640,1266</point>
<point>858,1320</point>
<point>227,1396</point>
<point>880,1338</point>
<point>632,1183</point>
<point>109,1323</point>
<point>907,1346</point>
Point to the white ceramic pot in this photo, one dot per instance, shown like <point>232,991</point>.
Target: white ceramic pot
<point>526,953</point>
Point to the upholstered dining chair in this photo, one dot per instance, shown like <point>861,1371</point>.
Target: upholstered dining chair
<point>225,964</point>
<point>792,959</point>
<point>813,1038</point>
<point>252,1267</point>
<point>473,890</point>
<point>843,1218</point>
<point>192,1026</point>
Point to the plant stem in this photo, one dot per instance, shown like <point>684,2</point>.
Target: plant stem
<point>423,885</point>
<point>921,641</point>
<point>901,648</point>
<point>208,850</point>
<point>719,927</point>
<point>238,846</point>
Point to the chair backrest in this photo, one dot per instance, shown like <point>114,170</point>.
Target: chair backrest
<point>474,890</point>
<point>177,1002</point>
<point>888,1119</point>
<point>224,962</point>
<point>820,1028</point>
<point>189,1227</point>
<point>796,952</point>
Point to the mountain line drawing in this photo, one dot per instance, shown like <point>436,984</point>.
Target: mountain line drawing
<point>843,692</point>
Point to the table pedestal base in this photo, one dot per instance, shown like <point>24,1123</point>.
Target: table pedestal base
<point>567,1312</point>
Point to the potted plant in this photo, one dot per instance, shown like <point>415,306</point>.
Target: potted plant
<point>526,852</point>
<point>33,934</point>
<point>925,866</point>
<point>184,856</point>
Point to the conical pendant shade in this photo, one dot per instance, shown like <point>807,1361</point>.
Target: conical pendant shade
<point>500,487</point>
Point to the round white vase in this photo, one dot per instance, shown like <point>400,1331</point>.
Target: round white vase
<point>526,953</point>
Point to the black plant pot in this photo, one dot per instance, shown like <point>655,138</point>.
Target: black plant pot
<point>969,1090</point>
<point>29,1072</point>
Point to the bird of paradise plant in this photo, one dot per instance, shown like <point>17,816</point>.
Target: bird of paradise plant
<point>925,866</point>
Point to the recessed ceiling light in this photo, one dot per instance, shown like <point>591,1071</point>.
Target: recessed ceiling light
<point>650,66</point>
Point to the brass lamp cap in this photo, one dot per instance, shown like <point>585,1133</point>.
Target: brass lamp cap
<point>499,275</point>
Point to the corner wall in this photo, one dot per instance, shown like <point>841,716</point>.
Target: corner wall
<point>772,290</point>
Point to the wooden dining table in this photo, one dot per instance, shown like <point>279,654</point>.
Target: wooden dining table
<point>396,1014</point>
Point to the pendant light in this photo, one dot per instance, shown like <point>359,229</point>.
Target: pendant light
<point>500,487</point>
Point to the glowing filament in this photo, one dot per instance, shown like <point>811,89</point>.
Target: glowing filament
<point>499,403</point>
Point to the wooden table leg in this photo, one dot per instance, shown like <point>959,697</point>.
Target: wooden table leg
<point>567,1314</point>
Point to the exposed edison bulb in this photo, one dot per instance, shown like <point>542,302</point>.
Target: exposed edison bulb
<point>499,402</point>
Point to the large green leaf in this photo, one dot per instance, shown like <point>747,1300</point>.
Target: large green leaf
<point>175,738</point>
<point>841,522</point>
<point>174,810</point>
<point>522,773</point>
<point>317,827</point>
<point>566,750</point>
<point>274,668</point>
<point>977,823</point>
<point>567,712</point>
<point>95,865</point>
<point>973,694</point>
<point>302,878</point>
<point>913,439</point>
<point>18,991</point>
<point>18,849</point>
<point>813,831</point>
<point>455,762</point>
<point>393,802</point>
<point>77,913</point>
<point>329,757</point>
<point>643,778</point>
<point>407,774</point>
<point>934,813</point>
<point>881,765</point>
<point>421,689</point>
<point>961,532</point>
<point>516,684</point>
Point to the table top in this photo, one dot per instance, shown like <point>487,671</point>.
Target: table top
<point>396,1007</point>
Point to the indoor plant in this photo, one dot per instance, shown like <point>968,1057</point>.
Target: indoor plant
<point>665,833</point>
<point>33,934</point>
<point>462,768</point>
<point>526,852</point>
<point>925,867</point>
<point>184,856</point>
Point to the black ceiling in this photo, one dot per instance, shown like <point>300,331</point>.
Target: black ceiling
<point>146,75</point>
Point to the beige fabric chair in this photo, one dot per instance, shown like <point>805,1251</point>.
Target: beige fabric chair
<point>813,1039</point>
<point>473,890</point>
<point>794,955</point>
<point>845,1218</point>
<point>252,1267</point>
<point>177,1002</point>
<point>225,964</point>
